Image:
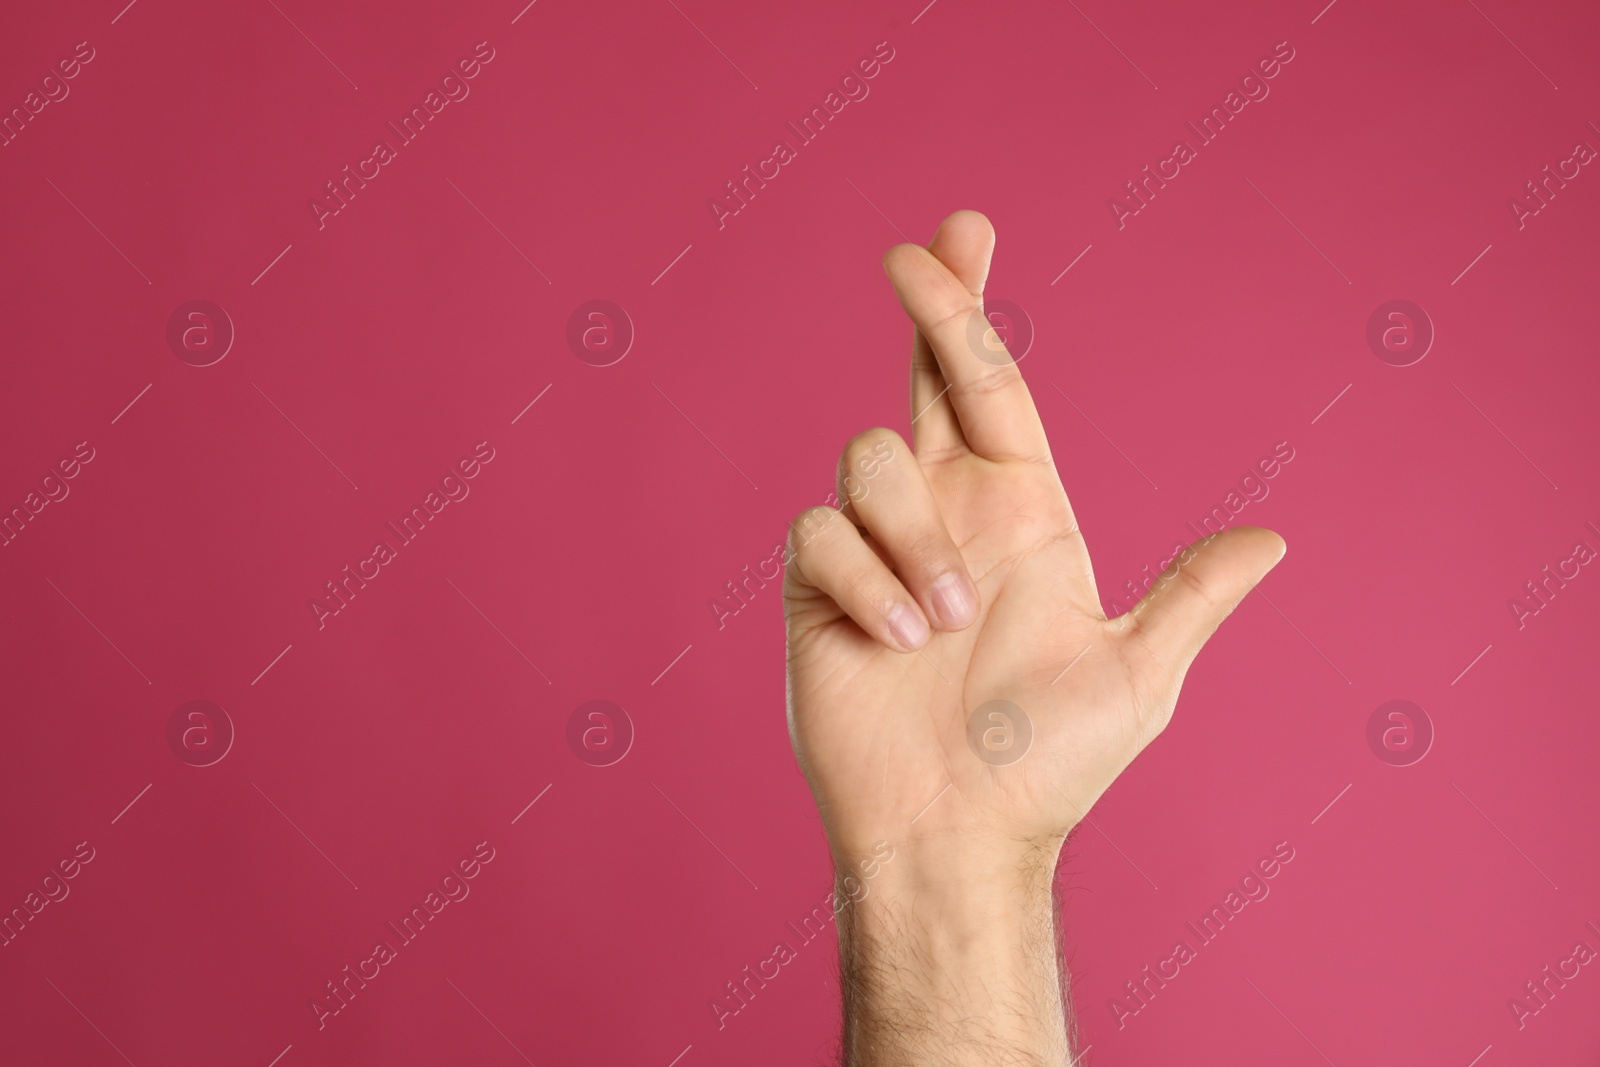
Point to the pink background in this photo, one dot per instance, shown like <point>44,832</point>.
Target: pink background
<point>375,352</point>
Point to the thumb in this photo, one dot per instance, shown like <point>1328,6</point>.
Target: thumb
<point>1201,588</point>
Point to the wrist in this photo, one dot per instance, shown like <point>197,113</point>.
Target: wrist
<point>956,871</point>
<point>959,899</point>
<point>960,945</point>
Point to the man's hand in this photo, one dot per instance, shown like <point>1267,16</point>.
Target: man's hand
<point>956,690</point>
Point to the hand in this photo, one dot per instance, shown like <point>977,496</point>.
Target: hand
<point>956,576</point>
<point>970,582</point>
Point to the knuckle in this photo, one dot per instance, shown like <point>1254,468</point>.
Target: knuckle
<point>864,458</point>
<point>864,443</point>
<point>956,315</point>
<point>810,524</point>
<point>1198,586</point>
<point>929,551</point>
<point>996,380</point>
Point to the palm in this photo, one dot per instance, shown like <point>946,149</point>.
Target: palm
<point>884,734</point>
<point>868,714</point>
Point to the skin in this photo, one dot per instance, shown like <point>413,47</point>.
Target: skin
<point>955,574</point>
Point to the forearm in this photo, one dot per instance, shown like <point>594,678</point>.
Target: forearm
<point>950,955</point>
<point>954,959</point>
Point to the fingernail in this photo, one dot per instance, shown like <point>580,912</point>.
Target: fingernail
<point>908,627</point>
<point>954,600</point>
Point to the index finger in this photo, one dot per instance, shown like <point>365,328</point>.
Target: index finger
<point>988,392</point>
